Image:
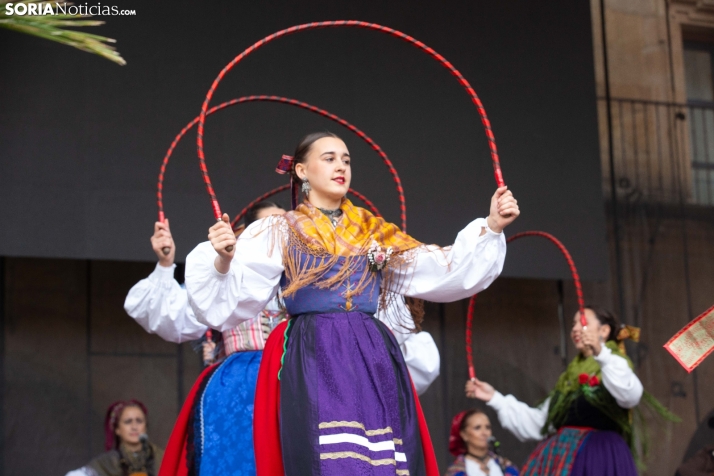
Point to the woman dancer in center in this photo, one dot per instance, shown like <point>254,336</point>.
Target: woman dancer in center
<point>347,405</point>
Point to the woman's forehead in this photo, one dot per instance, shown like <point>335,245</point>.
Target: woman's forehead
<point>132,412</point>
<point>330,144</point>
<point>588,315</point>
<point>478,418</point>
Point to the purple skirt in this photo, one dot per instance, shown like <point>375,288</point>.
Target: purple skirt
<point>346,401</point>
<point>581,452</point>
<point>604,453</point>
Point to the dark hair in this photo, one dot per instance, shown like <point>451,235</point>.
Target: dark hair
<point>303,148</point>
<point>252,214</point>
<point>605,316</point>
<point>469,414</point>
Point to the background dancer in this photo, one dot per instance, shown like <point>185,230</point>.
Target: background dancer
<point>159,303</point>
<point>347,405</point>
<point>586,420</point>
<point>222,397</point>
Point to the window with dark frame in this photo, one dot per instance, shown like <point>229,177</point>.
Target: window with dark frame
<point>699,78</point>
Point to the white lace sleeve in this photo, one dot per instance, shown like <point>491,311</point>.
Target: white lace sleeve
<point>459,271</point>
<point>222,301</point>
<point>619,379</point>
<point>160,306</point>
<point>523,421</point>
<point>85,471</point>
<point>422,358</point>
<point>419,350</point>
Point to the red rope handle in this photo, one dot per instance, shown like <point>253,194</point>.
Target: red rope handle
<point>469,352</point>
<point>340,23</point>
<point>576,280</point>
<point>302,105</point>
<point>282,188</point>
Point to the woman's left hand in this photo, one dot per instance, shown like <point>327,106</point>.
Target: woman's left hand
<point>209,351</point>
<point>591,339</point>
<point>504,209</point>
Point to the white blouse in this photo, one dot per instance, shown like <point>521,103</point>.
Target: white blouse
<point>474,469</point>
<point>160,305</point>
<point>439,275</point>
<point>526,422</point>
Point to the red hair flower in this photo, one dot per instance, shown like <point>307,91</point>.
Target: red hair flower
<point>594,381</point>
<point>583,378</point>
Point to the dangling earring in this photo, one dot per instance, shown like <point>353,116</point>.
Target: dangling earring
<point>306,186</point>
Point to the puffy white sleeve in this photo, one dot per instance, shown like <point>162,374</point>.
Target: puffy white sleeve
<point>222,301</point>
<point>419,350</point>
<point>456,272</point>
<point>160,306</point>
<point>84,471</point>
<point>523,421</point>
<point>619,379</point>
<point>422,358</point>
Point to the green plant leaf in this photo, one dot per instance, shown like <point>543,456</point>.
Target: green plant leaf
<point>51,27</point>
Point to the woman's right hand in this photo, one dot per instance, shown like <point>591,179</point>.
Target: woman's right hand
<point>504,209</point>
<point>480,390</point>
<point>162,240</point>
<point>221,237</point>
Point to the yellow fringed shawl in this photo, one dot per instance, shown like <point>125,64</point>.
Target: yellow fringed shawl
<point>314,246</point>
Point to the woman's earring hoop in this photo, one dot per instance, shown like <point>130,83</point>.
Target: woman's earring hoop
<point>305,186</point>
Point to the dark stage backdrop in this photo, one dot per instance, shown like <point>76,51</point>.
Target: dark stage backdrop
<point>81,139</point>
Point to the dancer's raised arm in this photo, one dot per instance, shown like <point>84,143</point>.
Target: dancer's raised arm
<point>524,421</point>
<point>467,267</point>
<point>158,303</point>
<point>226,288</point>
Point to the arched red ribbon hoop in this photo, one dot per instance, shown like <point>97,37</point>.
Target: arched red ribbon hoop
<point>302,105</point>
<point>576,280</point>
<point>331,24</point>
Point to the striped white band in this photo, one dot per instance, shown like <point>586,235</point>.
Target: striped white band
<point>387,445</point>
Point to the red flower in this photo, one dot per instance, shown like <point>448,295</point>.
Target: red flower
<point>594,381</point>
<point>583,379</point>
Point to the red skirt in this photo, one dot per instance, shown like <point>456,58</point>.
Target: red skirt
<point>175,461</point>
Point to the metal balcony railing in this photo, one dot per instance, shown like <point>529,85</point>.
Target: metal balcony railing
<point>662,152</point>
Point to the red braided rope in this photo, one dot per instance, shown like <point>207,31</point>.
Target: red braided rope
<point>282,188</point>
<point>302,105</point>
<point>469,352</point>
<point>576,280</point>
<point>367,202</point>
<point>340,23</point>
